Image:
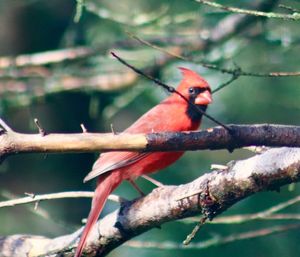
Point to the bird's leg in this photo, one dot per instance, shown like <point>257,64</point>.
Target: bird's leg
<point>153,181</point>
<point>136,187</point>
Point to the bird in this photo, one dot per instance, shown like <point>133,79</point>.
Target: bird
<point>173,114</point>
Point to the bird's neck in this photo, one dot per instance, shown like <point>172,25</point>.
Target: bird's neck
<point>192,117</point>
<point>193,114</point>
<point>190,110</point>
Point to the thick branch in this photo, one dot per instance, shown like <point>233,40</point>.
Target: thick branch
<point>210,194</point>
<point>216,138</point>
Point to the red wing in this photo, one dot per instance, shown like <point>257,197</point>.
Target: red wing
<point>112,161</point>
<point>158,119</point>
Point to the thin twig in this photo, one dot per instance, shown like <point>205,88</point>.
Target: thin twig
<point>52,196</point>
<point>40,211</point>
<point>215,241</point>
<point>42,132</point>
<point>191,236</point>
<point>235,72</point>
<point>243,218</point>
<point>84,130</point>
<point>156,47</point>
<point>171,90</point>
<point>295,16</point>
<point>289,8</point>
<point>233,78</point>
<point>266,214</point>
<point>79,9</point>
<point>5,126</point>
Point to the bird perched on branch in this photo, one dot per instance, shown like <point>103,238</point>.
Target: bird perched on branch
<point>173,114</point>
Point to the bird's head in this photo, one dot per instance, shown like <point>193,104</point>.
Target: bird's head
<point>194,87</point>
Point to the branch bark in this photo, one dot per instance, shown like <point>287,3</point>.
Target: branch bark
<point>215,138</point>
<point>210,194</point>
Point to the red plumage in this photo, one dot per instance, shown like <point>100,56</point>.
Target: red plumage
<point>172,114</point>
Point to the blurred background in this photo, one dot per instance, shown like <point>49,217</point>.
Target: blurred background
<point>55,66</point>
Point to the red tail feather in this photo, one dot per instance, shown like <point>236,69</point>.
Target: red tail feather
<point>108,183</point>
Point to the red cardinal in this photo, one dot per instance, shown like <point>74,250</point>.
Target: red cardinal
<point>172,114</point>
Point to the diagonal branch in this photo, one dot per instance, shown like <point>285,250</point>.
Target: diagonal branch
<point>235,72</point>
<point>216,240</point>
<point>210,194</point>
<point>171,89</point>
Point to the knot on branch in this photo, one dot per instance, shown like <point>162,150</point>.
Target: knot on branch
<point>208,203</point>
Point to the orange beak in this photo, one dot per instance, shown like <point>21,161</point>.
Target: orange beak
<point>204,98</point>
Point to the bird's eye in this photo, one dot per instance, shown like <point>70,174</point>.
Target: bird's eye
<point>192,90</point>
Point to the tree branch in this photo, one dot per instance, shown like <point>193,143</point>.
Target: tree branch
<point>235,72</point>
<point>47,57</point>
<point>295,16</point>
<point>216,240</point>
<point>215,138</point>
<point>210,194</point>
<point>32,198</point>
<point>267,214</point>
